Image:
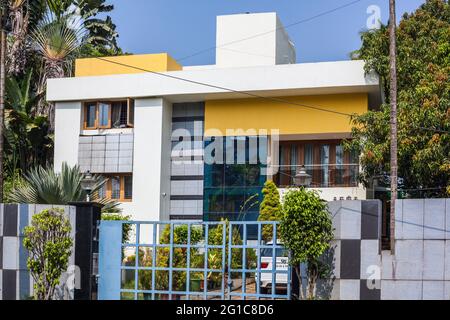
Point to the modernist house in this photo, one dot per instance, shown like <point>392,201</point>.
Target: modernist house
<point>198,142</point>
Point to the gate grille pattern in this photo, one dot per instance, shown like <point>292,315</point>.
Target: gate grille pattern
<point>190,261</point>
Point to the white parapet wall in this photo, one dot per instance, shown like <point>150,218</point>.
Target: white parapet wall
<point>330,194</point>
<point>262,46</point>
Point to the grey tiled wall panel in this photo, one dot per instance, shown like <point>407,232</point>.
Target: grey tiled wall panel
<point>187,161</point>
<point>182,188</point>
<point>433,262</point>
<point>447,219</point>
<point>412,221</point>
<point>434,219</point>
<point>401,290</point>
<point>447,261</point>
<point>369,257</point>
<point>186,207</point>
<point>409,259</point>
<point>1,221</point>
<point>1,252</point>
<point>187,168</point>
<point>346,219</point>
<point>10,253</point>
<point>433,290</point>
<point>447,290</point>
<point>349,289</point>
<point>106,154</point>
<point>183,110</point>
<point>190,128</point>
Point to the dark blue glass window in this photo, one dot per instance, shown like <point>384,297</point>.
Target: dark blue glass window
<point>233,188</point>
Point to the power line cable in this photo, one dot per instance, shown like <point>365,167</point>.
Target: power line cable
<point>225,88</point>
<point>273,99</point>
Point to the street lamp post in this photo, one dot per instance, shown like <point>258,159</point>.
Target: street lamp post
<point>302,178</point>
<point>87,183</point>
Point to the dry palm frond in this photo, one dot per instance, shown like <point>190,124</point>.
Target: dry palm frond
<point>16,4</point>
<point>55,40</point>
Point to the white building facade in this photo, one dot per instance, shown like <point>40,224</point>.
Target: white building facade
<point>159,136</point>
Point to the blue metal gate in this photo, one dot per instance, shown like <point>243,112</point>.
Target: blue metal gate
<point>191,261</point>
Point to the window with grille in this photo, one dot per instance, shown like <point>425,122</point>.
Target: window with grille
<point>117,187</point>
<point>109,115</point>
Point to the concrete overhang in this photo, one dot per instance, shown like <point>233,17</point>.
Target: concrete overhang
<point>278,80</point>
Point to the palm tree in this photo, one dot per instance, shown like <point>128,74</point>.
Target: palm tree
<point>56,41</point>
<point>44,186</point>
<point>84,12</point>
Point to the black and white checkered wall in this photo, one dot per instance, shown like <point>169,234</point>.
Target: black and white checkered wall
<point>357,232</point>
<point>420,268</point>
<point>15,280</point>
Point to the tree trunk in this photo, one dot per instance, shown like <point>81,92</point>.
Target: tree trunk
<point>298,271</point>
<point>2,100</point>
<point>312,287</point>
<point>312,282</point>
<point>393,100</point>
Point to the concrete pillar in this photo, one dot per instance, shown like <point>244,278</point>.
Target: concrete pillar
<point>151,170</point>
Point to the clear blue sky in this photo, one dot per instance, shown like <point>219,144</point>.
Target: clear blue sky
<point>183,27</point>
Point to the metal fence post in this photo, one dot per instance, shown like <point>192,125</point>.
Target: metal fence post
<point>110,256</point>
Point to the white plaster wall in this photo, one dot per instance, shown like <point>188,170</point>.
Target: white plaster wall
<point>67,132</point>
<point>254,51</point>
<point>285,49</point>
<point>127,208</point>
<point>150,169</point>
<point>328,194</point>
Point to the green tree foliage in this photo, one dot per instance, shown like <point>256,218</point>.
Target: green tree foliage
<point>423,41</point>
<point>306,230</point>
<point>44,38</point>
<point>45,186</point>
<point>49,244</point>
<point>270,209</point>
<point>28,142</point>
<point>99,32</point>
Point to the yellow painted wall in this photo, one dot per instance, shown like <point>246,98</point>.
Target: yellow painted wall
<point>154,62</point>
<point>259,114</point>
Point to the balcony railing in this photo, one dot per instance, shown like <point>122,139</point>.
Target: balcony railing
<point>323,176</point>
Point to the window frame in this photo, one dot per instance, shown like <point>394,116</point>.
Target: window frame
<point>317,179</point>
<point>96,103</point>
<point>130,112</point>
<point>108,184</point>
<point>108,126</point>
<point>85,115</point>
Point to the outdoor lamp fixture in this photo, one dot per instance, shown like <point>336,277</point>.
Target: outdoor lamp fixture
<point>87,184</point>
<point>302,178</point>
